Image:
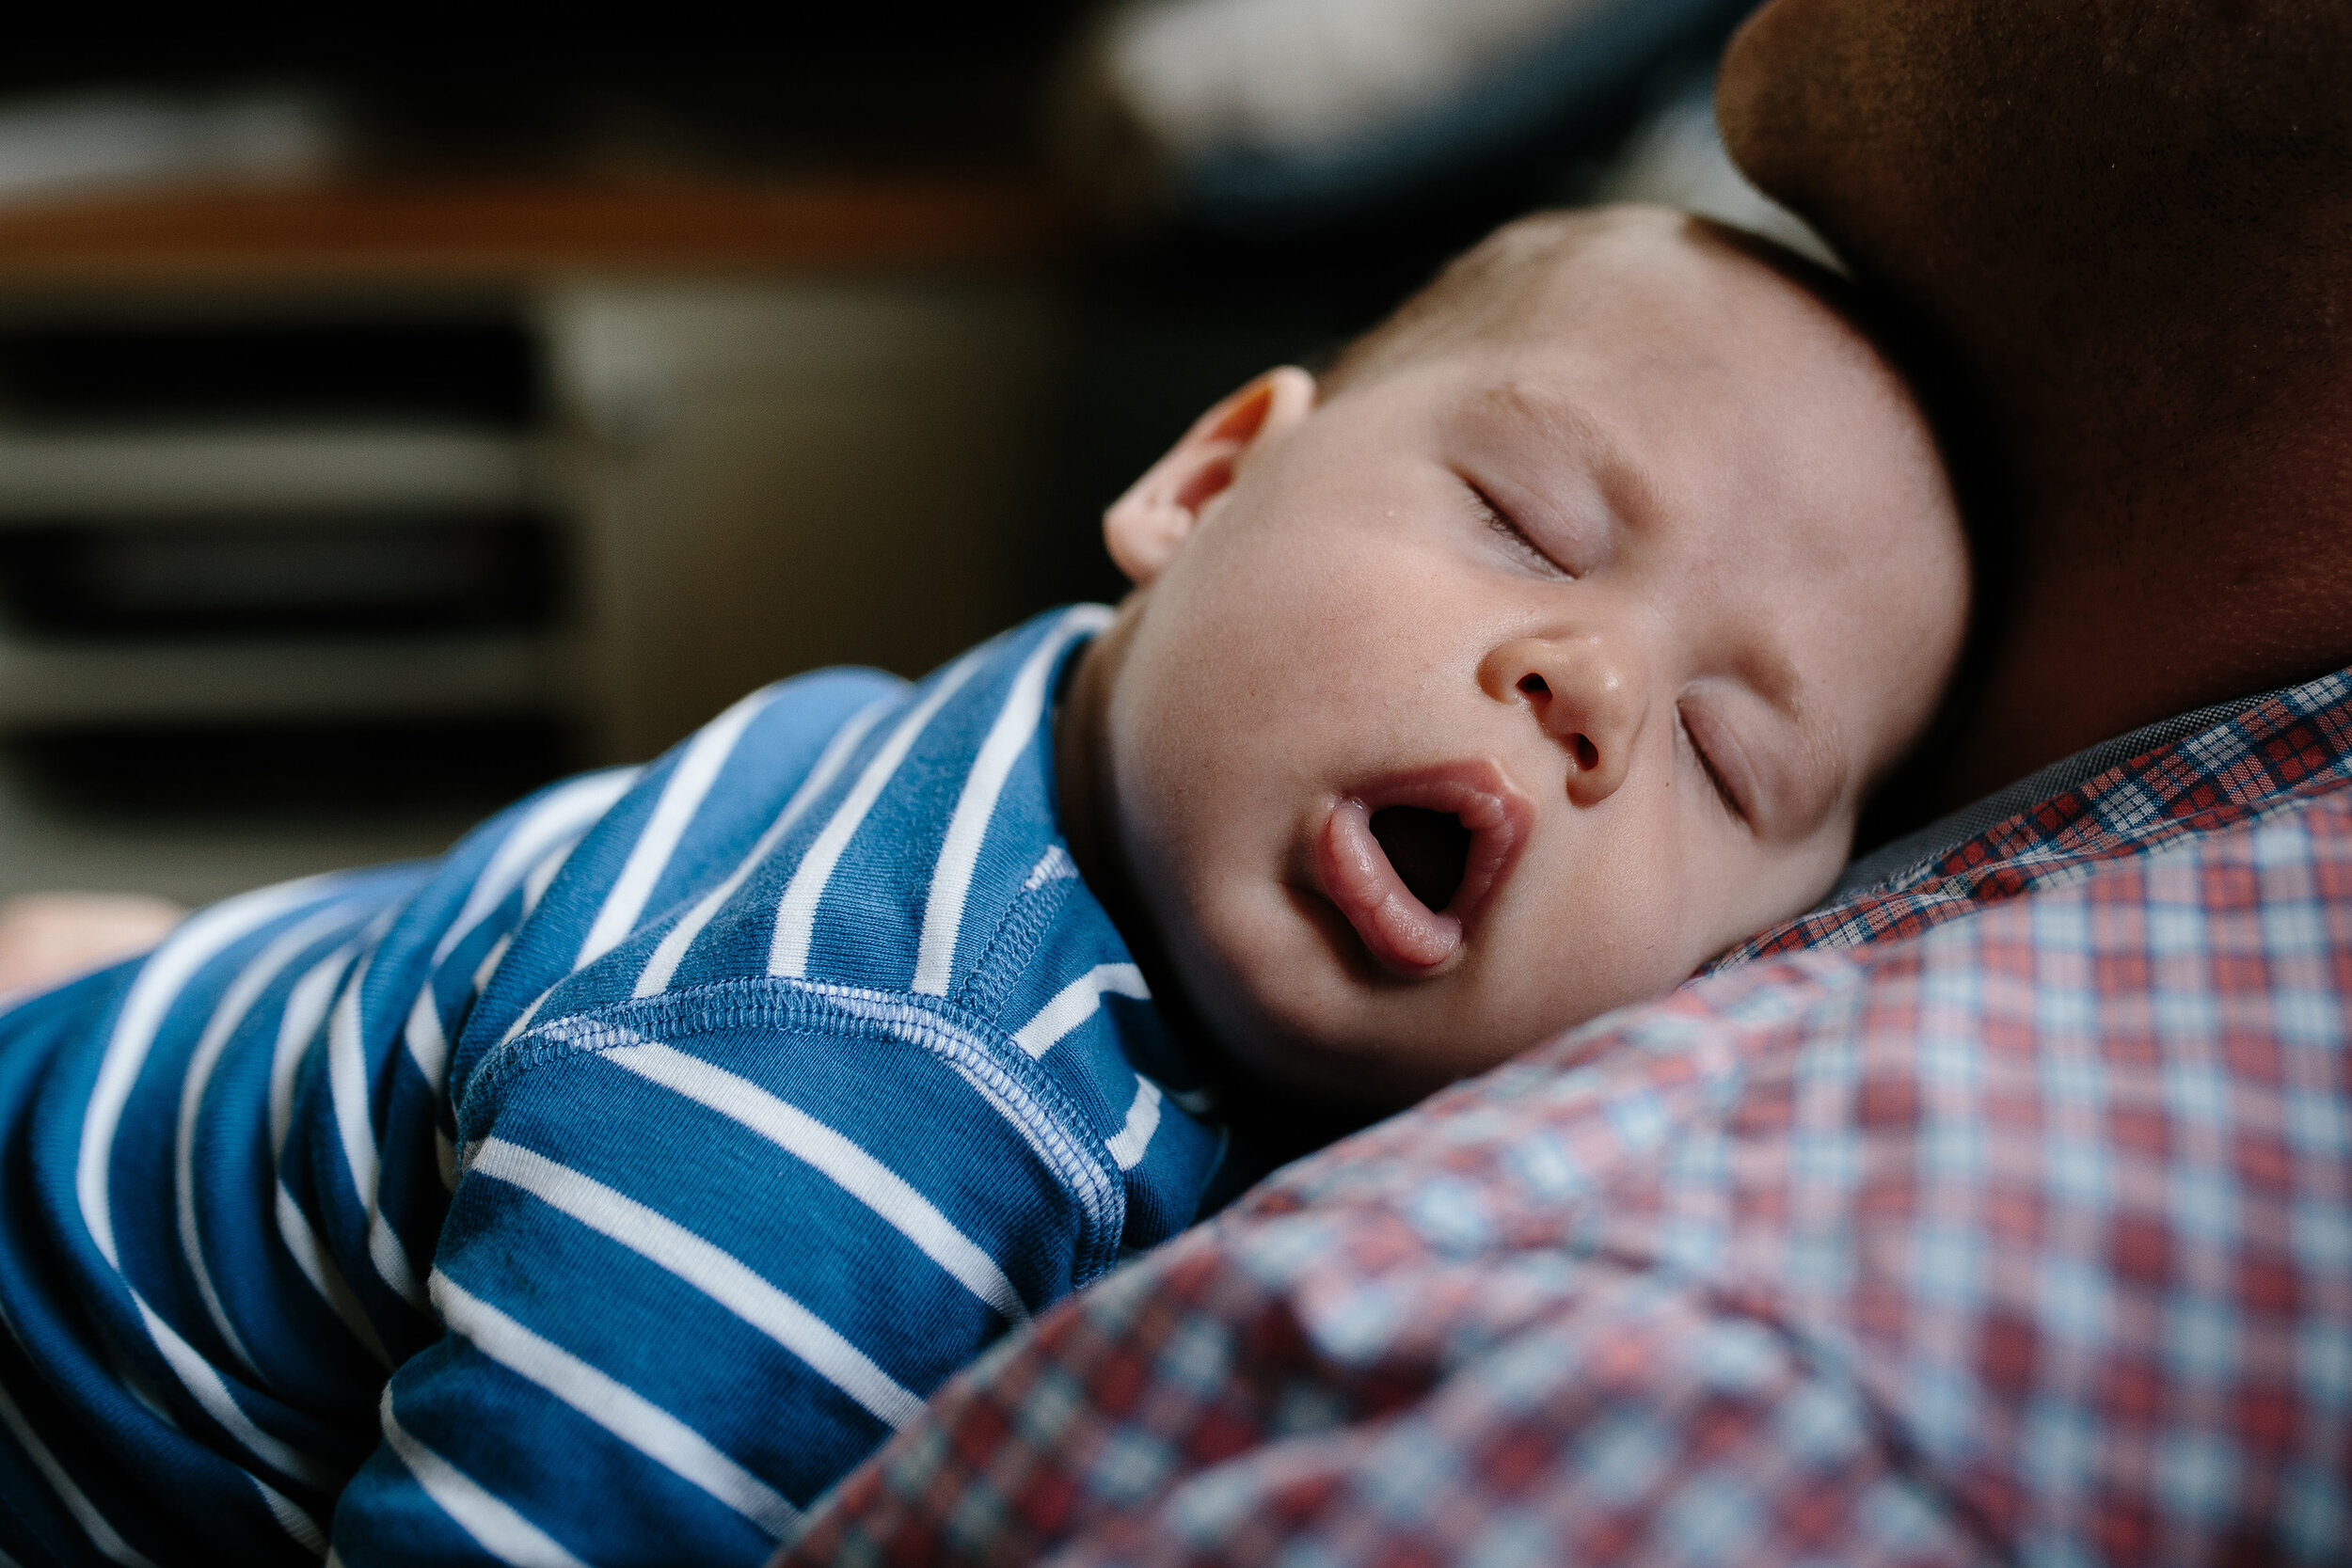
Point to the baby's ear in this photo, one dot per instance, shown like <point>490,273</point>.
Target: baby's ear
<point>1147,526</point>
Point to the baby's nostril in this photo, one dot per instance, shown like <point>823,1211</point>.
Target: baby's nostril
<point>1534,686</point>
<point>1587,756</point>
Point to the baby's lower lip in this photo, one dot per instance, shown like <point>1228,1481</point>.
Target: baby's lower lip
<point>1402,934</point>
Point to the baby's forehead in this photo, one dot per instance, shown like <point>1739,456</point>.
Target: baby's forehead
<point>1689,287</point>
<point>1556,283</point>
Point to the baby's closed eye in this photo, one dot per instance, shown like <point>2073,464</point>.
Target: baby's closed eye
<point>1514,538</point>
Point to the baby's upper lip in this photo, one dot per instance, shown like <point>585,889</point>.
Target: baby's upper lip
<point>1401,932</point>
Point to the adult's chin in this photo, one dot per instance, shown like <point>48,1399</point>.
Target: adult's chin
<point>1771,96</point>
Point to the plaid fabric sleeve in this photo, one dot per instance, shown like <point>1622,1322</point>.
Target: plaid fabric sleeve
<point>1630,1418</point>
<point>2028,1239</point>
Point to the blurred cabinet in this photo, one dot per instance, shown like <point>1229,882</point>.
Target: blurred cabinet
<point>772,477</point>
<point>613,457</point>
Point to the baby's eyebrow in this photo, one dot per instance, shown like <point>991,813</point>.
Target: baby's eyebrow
<point>1523,406</point>
<point>1549,417</point>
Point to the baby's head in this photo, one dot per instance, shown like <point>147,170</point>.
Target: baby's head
<point>1546,649</point>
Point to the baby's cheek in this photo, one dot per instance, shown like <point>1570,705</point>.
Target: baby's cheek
<point>1778,886</point>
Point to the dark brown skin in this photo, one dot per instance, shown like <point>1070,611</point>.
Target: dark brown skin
<point>2131,220</point>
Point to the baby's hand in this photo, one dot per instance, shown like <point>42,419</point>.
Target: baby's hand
<point>48,937</point>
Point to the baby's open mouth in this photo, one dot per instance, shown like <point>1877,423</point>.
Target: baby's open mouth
<point>1429,849</point>
<point>1410,859</point>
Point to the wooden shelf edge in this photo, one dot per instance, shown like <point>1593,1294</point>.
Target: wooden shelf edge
<point>480,232</point>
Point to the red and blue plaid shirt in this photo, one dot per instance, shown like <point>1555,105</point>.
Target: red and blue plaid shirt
<point>2012,1221</point>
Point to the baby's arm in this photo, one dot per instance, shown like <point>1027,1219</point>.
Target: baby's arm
<point>48,937</point>
<point>706,1253</point>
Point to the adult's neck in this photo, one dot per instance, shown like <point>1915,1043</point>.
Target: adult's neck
<point>2171,522</point>
<point>2165,566</point>
<point>2129,223</point>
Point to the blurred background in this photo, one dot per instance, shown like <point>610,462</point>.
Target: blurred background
<point>399,410</point>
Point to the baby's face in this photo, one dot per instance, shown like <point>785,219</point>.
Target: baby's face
<point>1512,683</point>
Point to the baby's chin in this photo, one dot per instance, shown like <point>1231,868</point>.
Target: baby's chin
<point>1293,1002</point>
<point>1338,1042</point>
<point>1302,1019</point>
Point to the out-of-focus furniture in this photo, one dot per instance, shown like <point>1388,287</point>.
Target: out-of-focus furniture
<point>615,453</point>
<point>1284,115</point>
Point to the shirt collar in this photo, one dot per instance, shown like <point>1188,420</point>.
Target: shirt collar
<point>2201,772</point>
<point>1917,852</point>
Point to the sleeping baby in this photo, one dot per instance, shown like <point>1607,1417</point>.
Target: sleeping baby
<point>603,1191</point>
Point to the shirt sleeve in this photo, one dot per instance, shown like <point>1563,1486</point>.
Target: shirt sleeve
<point>688,1279</point>
<point>1213,1406</point>
<point>2000,1244</point>
<point>1509,1329</point>
<point>1628,1421</point>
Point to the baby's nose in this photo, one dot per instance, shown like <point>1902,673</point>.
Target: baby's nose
<point>1587,694</point>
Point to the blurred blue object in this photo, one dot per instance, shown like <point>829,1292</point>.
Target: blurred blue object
<point>1278,115</point>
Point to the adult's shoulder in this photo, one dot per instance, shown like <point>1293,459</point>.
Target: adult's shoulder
<point>1854,1239</point>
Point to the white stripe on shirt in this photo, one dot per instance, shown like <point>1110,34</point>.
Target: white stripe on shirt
<point>305,1010</point>
<point>238,1002</point>
<point>347,1087</point>
<point>318,1266</point>
<point>1077,1002</point>
<point>543,875</point>
<point>491,958</point>
<point>836,756</point>
<point>427,1046</point>
<point>495,1526</point>
<point>796,911</point>
<point>1014,733</point>
<point>627,1414</point>
<point>682,797</point>
<point>291,1517</point>
<point>102,1534</point>
<point>724,1278</point>
<point>535,884</point>
<point>536,888</point>
<point>161,978</point>
<point>1143,1119</point>
<point>203,1381</point>
<point>569,810</point>
<point>850,1167</point>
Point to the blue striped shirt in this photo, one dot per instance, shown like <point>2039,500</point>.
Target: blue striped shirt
<point>604,1190</point>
